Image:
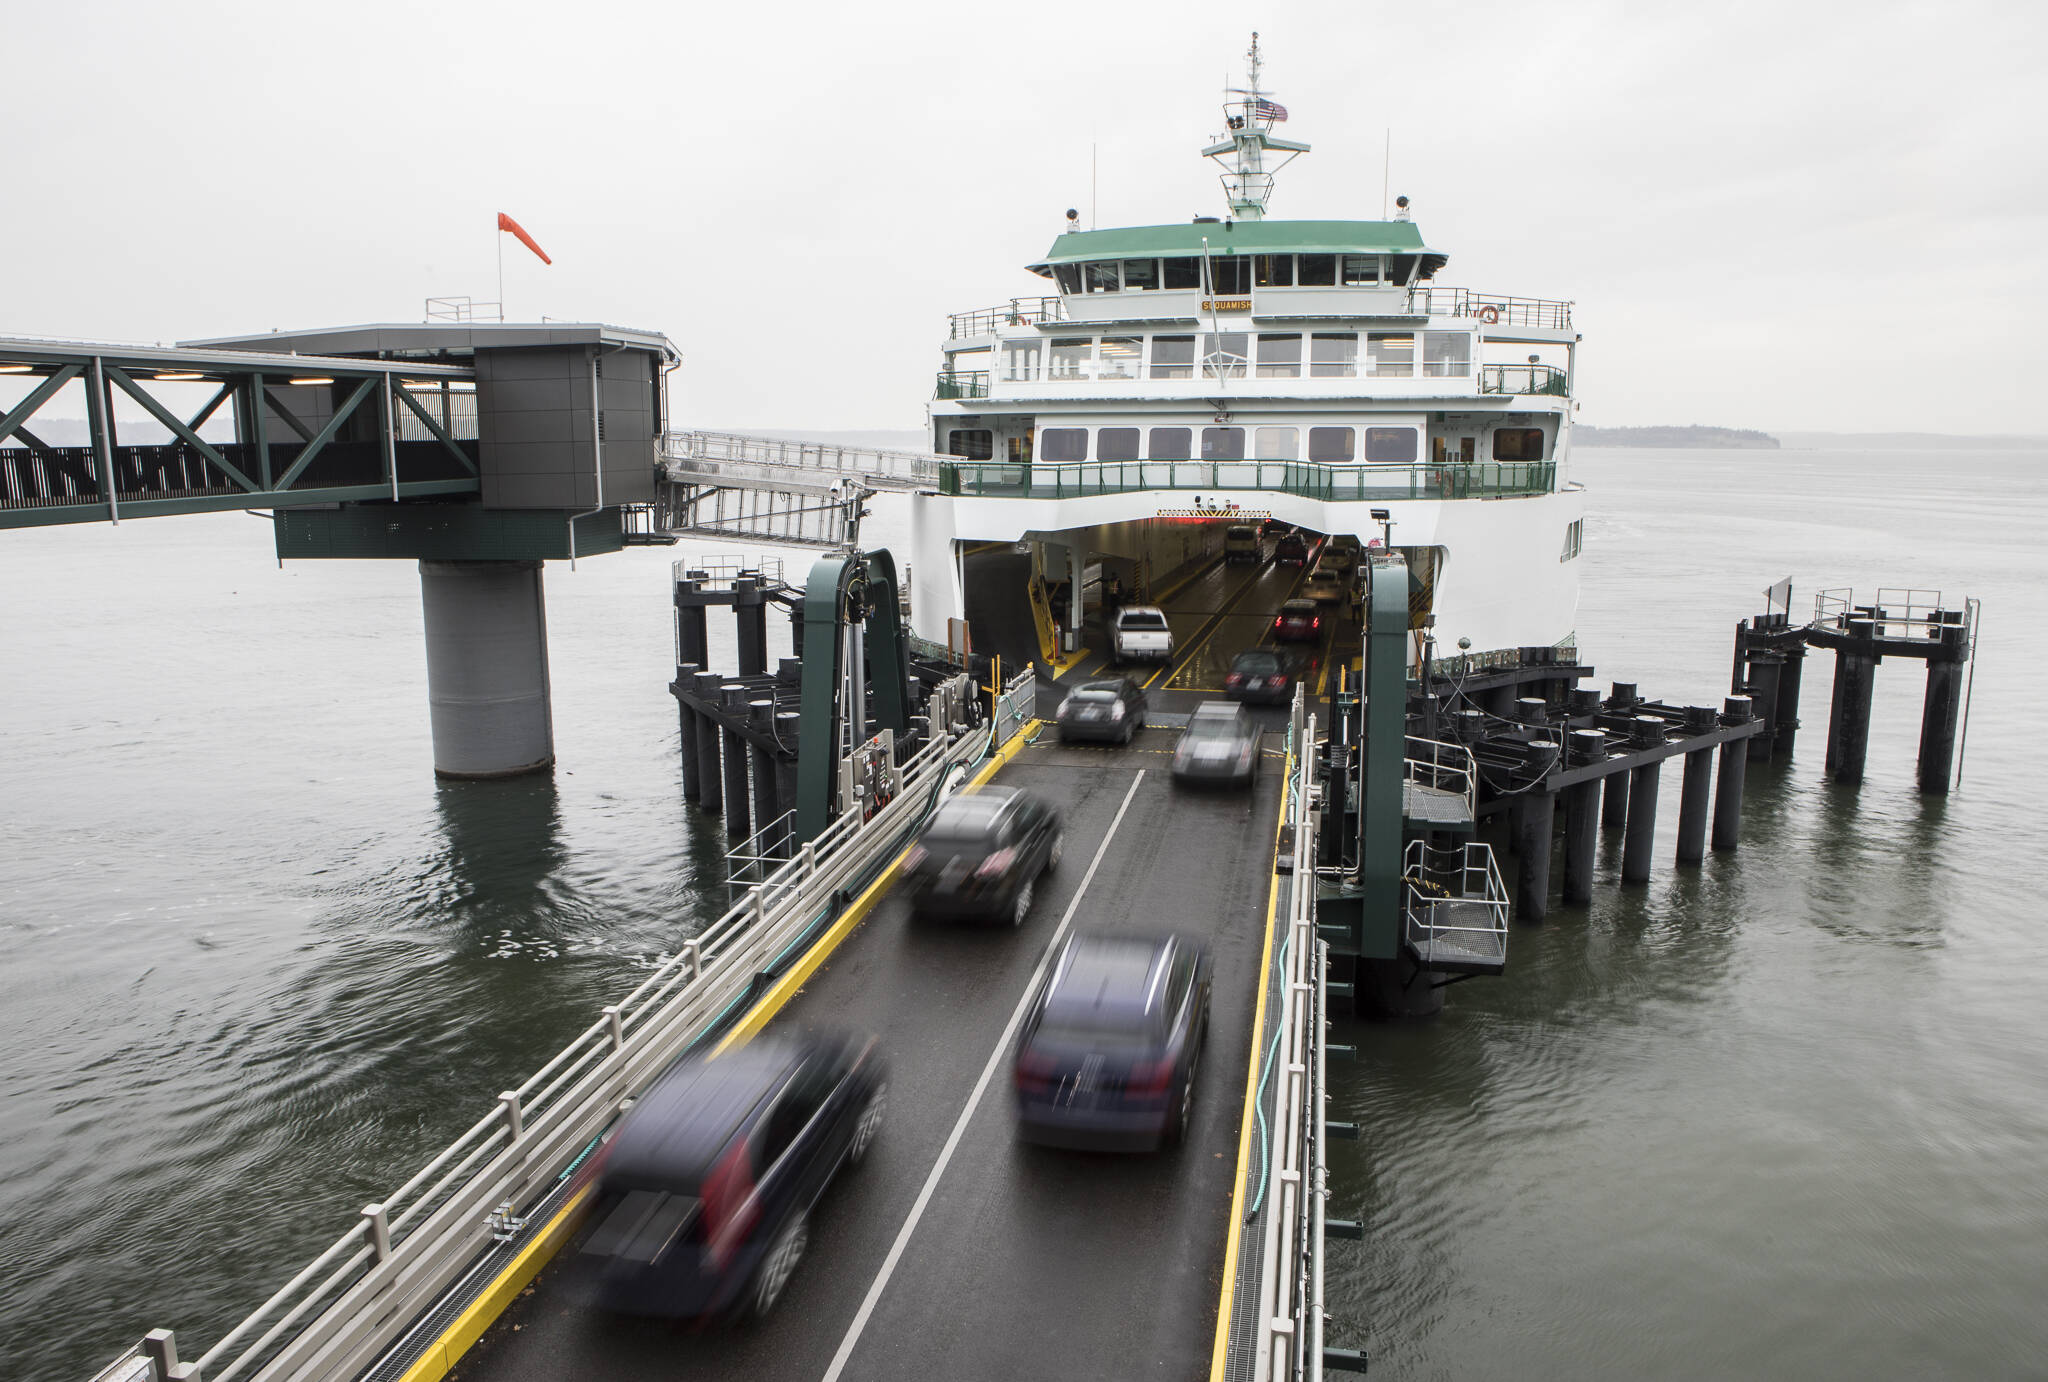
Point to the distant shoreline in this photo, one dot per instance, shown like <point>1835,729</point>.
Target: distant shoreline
<point>1691,438</point>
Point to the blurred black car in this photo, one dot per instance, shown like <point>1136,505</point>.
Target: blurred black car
<point>1110,1046</point>
<point>702,1198</point>
<point>1291,550</point>
<point>982,854</point>
<point>1112,709</point>
<point>1299,621</point>
<point>1220,744</point>
<point>1260,676</point>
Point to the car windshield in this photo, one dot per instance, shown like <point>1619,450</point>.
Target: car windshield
<point>1143,619</point>
<point>1299,609</point>
<point>1095,695</point>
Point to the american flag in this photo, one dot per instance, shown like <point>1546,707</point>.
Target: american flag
<point>1269,110</point>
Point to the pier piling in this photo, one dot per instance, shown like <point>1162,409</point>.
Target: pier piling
<point>1695,791</point>
<point>733,699</point>
<point>1642,804</point>
<point>1728,785</point>
<point>1765,679</point>
<point>1849,719</point>
<point>686,720</point>
<point>1534,819</point>
<point>1938,715</point>
<point>710,792</point>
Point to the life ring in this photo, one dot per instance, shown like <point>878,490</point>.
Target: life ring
<point>1489,314</point>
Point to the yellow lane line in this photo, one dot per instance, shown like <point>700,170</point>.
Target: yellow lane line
<point>483,1312</point>
<point>1187,658</point>
<point>1246,1118</point>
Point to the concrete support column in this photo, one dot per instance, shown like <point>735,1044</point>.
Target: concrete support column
<point>1581,837</point>
<point>487,667</point>
<point>1642,823</point>
<point>1533,825</point>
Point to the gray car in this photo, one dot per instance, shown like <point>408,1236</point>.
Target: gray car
<point>1220,744</point>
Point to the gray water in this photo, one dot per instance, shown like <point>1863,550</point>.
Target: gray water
<point>1777,1116</point>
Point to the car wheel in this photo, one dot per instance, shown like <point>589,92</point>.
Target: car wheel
<point>780,1264</point>
<point>1184,1119</point>
<point>1052,855</point>
<point>1130,731</point>
<point>1022,906</point>
<point>870,1123</point>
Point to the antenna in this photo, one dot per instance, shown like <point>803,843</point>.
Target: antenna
<point>1249,116</point>
<point>1092,146</point>
<point>1387,173</point>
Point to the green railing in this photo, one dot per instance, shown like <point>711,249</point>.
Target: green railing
<point>963,384</point>
<point>1546,379</point>
<point>1470,480</point>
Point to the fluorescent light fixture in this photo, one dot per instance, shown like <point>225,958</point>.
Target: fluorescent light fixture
<point>15,369</point>
<point>314,379</point>
<point>186,375</point>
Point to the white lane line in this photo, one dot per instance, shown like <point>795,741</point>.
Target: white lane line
<point>995,1057</point>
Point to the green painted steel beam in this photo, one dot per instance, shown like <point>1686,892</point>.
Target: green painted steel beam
<point>441,532</point>
<point>887,653</point>
<point>1385,746</point>
<point>319,441</point>
<point>177,426</point>
<point>817,751</point>
<point>37,397</point>
<point>284,410</point>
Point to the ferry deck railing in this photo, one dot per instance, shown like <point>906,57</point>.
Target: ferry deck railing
<point>1895,612</point>
<point>403,1252</point>
<point>961,384</point>
<point>1308,479</point>
<point>987,321</point>
<point>1296,1181</point>
<point>1542,313</point>
<point>1524,379</point>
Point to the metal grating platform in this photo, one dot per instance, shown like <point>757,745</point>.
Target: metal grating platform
<point>1435,808</point>
<point>1459,936</point>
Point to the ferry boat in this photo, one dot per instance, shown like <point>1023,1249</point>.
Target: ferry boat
<point>1190,376</point>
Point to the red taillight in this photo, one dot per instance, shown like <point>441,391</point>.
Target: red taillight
<point>1150,1077</point>
<point>1234,679</point>
<point>997,864</point>
<point>1033,1073</point>
<point>1280,622</point>
<point>1279,683</point>
<point>729,1205</point>
<point>1316,622</point>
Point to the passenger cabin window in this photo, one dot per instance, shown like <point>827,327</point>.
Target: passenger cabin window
<point>1071,357</point>
<point>1170,443</point>
<point>1332,445</point>
<point>1361,270</point>
<point>1185,274</point>
<point>1447,354</point>
<point>1230,275</point>
<point>1391,445</point>
<point>1224,354</point>
<point>971,443</point>
<point>1333,355</point>
<point>1020,360</point>
<point>1103,277</point>
<point>1280,356</point>
<point>1068,276</point>
<point>1120,357</point>
<point>1173,357</point>
<point>1315,270</point>
<point>1518,444</point>
<point>1116,444</point>
<point>1140,274</point>
<point>1276,443</point>
<point>1062,444</point>
<point>1274,271</point>
<point>1223,443</point>
<point>1392,356</point>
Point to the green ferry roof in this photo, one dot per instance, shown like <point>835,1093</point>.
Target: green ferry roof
<point>1237,237</point>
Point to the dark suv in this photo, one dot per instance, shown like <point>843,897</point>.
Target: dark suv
<point>982,854</point>
<point>1109,1049</point>
<point>704,1194</point>
<point>1291,550</point>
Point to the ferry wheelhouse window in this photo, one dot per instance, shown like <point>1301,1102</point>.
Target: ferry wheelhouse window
<point>1173,357</point>
<point>1332,445</point>
<point>1071,357</point>
<point>1223,443</point>
<point>1020,360</point>
<point>1361,270</point>
<point>1392,356</point>
<point>1181,273</point>
<point>1518,444</point>
<point>1140,274</point>
<point>1280,356</point>
<point>971,443</point>
<point>1274,271</point>
<point>1276,443</point>
<point>1169,443</point>
<point>1116,444</point>
<point>1121,357</point>
<point>1316,270</point>
<point>1225,353</point>
<point>1068,276</point>
<point>1446,354</point>
<point>1230,275</point>
<point>1103,277</point>
<point>1056,444</point>
<point>1333,355</point>
<point>1391,445</point>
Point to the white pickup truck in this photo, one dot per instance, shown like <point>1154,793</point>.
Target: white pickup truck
<point>1139,633</point>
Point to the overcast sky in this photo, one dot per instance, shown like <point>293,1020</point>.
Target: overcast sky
<point>1797,216</point>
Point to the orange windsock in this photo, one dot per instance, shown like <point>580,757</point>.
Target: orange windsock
<point>507,223</point>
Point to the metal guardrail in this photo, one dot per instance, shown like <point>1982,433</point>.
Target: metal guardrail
<point>1309,479</point>
<point>1290,1300</point>
<point>1896,612</point>
<point>1466,926</point>
<point>723,458</point>
<point>720,571</point>
<point>987,321</point>
<point>962,384</point>
<point>1524,379</point>
<point>1443,767</point>
<point>364,1291</point>
<point>1543,313</point>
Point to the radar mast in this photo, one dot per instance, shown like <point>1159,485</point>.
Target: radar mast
<point>1249,114</point>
